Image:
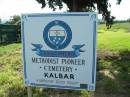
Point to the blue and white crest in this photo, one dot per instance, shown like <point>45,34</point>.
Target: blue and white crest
<point>57,34</point>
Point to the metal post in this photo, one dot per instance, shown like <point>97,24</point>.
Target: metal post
<point>29,90</point>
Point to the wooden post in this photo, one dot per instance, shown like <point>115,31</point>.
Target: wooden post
<point>29,90</point>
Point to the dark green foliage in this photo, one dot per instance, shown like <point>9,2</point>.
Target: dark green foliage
<point>128,20</point>
<point>118,1</point>
<point>0,20</point>
<point>84,6</point>
<point>111,86</point>
<point>8,33</point>
<point>13,20</point>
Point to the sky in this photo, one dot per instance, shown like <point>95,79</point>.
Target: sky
<point>17,7</point>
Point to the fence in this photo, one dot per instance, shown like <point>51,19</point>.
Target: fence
<point>8,34</point>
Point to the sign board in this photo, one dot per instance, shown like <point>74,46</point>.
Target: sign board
<point>59,50</point>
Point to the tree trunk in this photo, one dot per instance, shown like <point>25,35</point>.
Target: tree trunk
<point>74,8</point>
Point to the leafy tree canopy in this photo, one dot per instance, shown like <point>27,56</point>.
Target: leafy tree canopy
<point>0,20</point>
<point>14,20</point>
<point>83,6</point>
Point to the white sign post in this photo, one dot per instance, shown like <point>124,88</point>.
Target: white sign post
<point>59,50</point>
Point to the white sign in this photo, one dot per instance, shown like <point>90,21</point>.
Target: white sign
<point>59,50</point>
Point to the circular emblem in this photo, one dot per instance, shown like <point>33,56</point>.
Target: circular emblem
<point>57,34</point>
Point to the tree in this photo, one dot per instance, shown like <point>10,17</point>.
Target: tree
<point>83,6</point>
<point>0,20</point>
<point>128,20</point>
<point>14,19</point>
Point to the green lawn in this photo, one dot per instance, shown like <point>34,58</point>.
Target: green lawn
<point>117,27</point>
<point>113,60</point>
<point>9,48</point>
<point>114,41</point>
<point>112,72</point>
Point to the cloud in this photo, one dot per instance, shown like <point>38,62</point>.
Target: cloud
<point>120,11</point>
<point>17,7</point>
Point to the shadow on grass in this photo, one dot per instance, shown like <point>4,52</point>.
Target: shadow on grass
<point>16,92</point>
<point>44,92</point>
<point>113,74</point>
<point>113,80</point>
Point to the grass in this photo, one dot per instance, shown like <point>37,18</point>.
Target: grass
<point>117,27</point>
<point>11,76</point>
<point>115,39</point>
<point>9,48</point>
<point>113,69</point>
<point>114,42</point>
<point>112,74</point>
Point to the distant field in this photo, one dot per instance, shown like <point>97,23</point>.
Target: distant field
<point>115,39</point>
<point>112,73</point>
<point>117,27</point>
